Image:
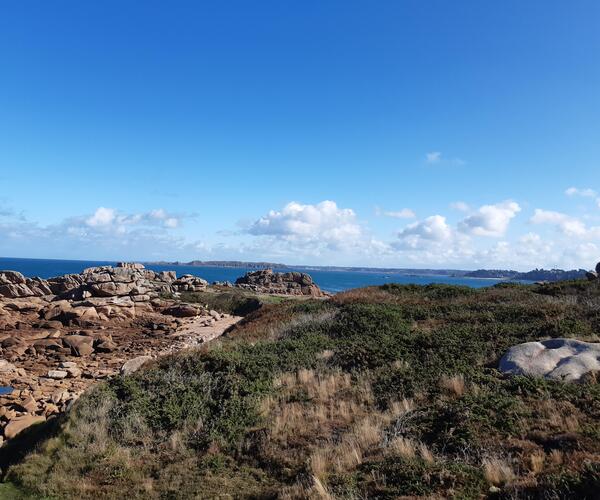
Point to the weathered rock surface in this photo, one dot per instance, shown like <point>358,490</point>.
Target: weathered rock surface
<point>19,424</point>
<point>61,335</point>
<point>292,283</point>
<point>14,284</point>
<point>561,359</point>
<point>80,345</point>
<point>133,365</point>
<point>127,279</point>
<point>183,311</point>
<point>594,275</point>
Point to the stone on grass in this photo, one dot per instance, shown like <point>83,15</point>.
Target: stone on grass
<point>134,365</point>
<point>559,359</point>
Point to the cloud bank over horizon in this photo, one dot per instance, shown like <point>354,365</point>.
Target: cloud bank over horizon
<point>324,233</point>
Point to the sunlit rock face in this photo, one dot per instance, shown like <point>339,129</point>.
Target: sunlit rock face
<point>560,359</point>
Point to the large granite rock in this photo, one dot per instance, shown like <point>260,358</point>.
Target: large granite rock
<point>80,345</point>
<point>14,285</point>
<point>19,424</point>
<point>561,359</point>
<point>291,283</point>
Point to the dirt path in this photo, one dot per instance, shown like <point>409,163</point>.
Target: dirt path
<point>193,333</point>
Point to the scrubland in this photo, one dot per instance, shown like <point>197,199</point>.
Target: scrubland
<point>381,392</point>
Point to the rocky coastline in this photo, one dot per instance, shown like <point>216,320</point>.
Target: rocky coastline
<point>60,335</point>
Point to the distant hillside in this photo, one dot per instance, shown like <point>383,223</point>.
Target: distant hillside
<point>535,275</point>
<point>552,275</point>
<point>492,273</point>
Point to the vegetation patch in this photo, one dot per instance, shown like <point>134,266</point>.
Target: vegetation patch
<point>379,392</point>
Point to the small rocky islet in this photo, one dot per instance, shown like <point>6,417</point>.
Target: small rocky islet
<point>60,335</point>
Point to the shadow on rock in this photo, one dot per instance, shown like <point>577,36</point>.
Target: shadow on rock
<point>27,441</point>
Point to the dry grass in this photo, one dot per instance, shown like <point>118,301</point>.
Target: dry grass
<point>556,457</point>
<point>403,447</point>
<point>426,453</point>
<point>454,385</point>
<point>326,354</point>
<point>536,462</point>
<point>558,415</point>
<point>399,408</point>
<point>497,471</point>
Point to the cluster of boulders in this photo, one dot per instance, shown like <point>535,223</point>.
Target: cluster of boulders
<point>594,275</point>
<point>58,336</point>
<point>46,364</point>
<point>124,280</point>
<point>291,283</point>
<point>22,408</point>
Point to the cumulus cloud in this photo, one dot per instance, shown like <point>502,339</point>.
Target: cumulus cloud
<point>568,225</point>
<point>490,220</point>
<point>106,233</point>
<point>585,192</point>
<point>432,229</point>
<point>102,217</point>
<point>324,222</point>
<point>110,218</point>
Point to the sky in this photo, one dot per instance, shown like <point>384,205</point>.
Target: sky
<point>420,133</point>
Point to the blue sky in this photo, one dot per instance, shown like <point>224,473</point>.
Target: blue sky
<point>397,133</point>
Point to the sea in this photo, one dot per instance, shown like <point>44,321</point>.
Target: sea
<point>330,280</point>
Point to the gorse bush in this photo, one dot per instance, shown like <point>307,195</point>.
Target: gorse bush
<point>376,393</point>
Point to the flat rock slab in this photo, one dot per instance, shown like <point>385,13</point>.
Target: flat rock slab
<point>560,359</point>
<point>196,333</point>
<point>19,424</point>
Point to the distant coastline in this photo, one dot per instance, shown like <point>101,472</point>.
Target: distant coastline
<point>484,274</point>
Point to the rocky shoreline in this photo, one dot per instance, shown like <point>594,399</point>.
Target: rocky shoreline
<point>61,335</point>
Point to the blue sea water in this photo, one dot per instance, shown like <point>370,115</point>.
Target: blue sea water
<point>331,281</point>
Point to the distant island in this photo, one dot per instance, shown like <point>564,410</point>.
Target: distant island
<point>506,274</point>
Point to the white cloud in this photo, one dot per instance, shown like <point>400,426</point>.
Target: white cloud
<point>490,220</point>
<point>585,192</point>
<point>433,157</point>
<point>570,226</point>
<point>405,213</point>
<point>530,238</point>
<point>111,219</point>
<point>436,157</point>
<point>102,217</point>
<point>461,206</point>
<point>432,229</point>
<point>324,223</point>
